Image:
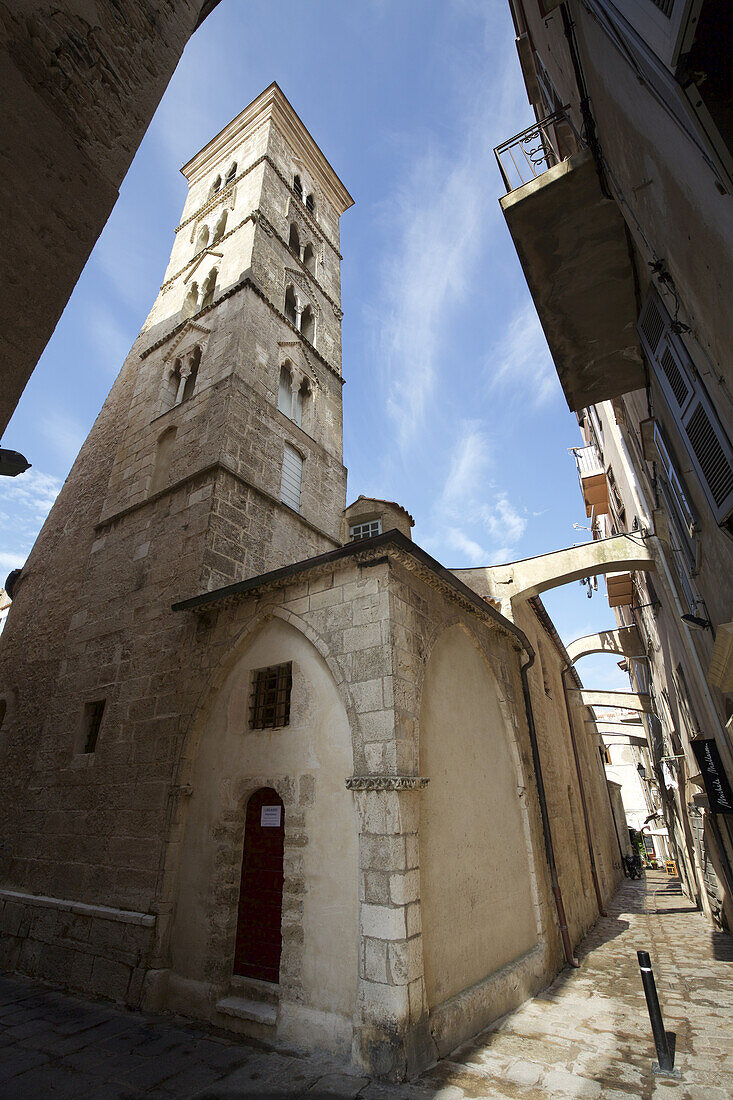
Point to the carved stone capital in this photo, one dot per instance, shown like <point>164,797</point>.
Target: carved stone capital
<point>386,783</point>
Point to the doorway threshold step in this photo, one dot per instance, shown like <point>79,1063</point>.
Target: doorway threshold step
<point>259,1012</point>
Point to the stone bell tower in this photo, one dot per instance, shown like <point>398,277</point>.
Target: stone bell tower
<point>217,456</point>
<point>238,372</point>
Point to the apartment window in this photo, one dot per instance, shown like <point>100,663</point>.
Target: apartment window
<point>292,475</point>
<point>269,706</point>
<point>365,530</point>
<point>705,439</point>
<point>93,714</point>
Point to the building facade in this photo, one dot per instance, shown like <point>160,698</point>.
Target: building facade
<point>81,82</point>
<point>620,203</point>
<point>266,762</point>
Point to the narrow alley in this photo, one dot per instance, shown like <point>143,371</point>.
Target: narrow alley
<point>586,1036</point>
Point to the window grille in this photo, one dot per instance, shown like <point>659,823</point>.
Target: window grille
<point>269,706</point>
<point>705,439</point>
<point>365,530</point>
<point>93,713</point>
<point>292,475</point>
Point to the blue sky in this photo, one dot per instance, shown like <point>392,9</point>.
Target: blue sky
<point>452,406</point>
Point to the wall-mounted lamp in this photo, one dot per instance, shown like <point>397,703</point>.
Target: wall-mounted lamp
<point>641,770</point>
<point>697,622</point>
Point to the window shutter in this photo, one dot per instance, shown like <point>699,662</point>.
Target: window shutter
<point>708,445</point>
<point>291,478</point>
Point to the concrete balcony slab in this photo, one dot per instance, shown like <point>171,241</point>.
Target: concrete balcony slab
<point>572,245</point>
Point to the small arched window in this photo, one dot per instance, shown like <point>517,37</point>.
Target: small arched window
<point>221,227</point>
<point>298,187</point>
<point>310,204</point>
<point>216,185</point>
<point>232,172</point>
<point>209,288</point>
<point>285,390</point>
<point>309,257</point>
<point>300,403</point>
<point>190,302</point>
<point>171,386</point>
<point>203,238</point>
<point>163,456</point>
<point>190,385</point>
<point>292,475</point>
<point>307,324</point>
<point>294,240</point>
<point>290,310</point>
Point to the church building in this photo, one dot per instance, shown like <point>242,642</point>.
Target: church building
<point>265,762</point>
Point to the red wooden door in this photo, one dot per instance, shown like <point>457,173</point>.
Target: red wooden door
<point>259,940</point>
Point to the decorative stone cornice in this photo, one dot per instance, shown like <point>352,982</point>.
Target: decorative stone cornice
<point>386,783</point>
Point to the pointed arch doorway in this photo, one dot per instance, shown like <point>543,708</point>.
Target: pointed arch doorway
<point>259,937</point>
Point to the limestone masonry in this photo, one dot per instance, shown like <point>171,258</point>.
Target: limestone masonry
<point>265,762</point>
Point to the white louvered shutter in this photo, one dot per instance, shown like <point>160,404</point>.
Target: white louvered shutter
<point>291,478</point>
<point>708,445</point>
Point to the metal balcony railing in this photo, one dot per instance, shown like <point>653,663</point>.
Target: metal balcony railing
<point>538,148</point>
<point>588,461</point>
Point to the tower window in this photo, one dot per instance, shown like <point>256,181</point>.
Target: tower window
<point>294,240</point>
<point>292,475</point>
<point>93,713</point>
<point>269,706</point>
<point>298,187</point>
<point>209,288</point>
<point>220,230</point>
<point>285,391</point>
<point>290,306</point>
<point>310,204</point>
<point>309,258</point>
<point>216,185</point>
<point>232,172</point>
<point>191,301</point>
<point>365,530</point>
<point>203,238</point>
<point>301,402</point>
<point>193,370</point>
<point>308,324</point>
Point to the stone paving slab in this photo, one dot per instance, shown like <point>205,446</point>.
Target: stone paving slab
<point>587,1036</point>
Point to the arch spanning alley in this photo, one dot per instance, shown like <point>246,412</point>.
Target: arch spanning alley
<point>623,642</point>
<point>629,700</point>
<point>532,576</point>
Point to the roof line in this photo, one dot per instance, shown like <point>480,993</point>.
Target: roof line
<point>393,538</point>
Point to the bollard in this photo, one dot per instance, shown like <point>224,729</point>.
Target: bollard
<point>665,1063</point>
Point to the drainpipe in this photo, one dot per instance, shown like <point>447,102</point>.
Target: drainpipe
<point>583,803</point>
<point>570,958</point>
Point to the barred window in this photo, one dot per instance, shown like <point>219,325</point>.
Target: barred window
<point>269,706</point>
<point>365,530</point>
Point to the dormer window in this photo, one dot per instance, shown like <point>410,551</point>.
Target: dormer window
<point>365,530</point>
<point>298,187</point>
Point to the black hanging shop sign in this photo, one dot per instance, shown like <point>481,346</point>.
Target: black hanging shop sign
<point>717,786</point>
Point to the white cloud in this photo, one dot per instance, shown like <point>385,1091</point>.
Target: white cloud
<point>520,362</point>
<point>26,501</point>
<point>470,518</point>
<point>442,217</point>
<point>458,540</point>
<point>468,468</point>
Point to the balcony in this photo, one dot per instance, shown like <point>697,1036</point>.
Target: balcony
<point>572,245</point>
<point>593,481</point>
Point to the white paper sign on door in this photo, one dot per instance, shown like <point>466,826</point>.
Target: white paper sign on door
<point>270,817</point>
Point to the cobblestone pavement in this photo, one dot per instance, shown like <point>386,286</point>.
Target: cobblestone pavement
<point>586,1036</point>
